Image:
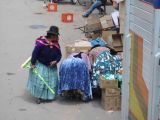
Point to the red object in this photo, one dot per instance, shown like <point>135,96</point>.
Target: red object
<point>67,17</point>
<point>52,7</point>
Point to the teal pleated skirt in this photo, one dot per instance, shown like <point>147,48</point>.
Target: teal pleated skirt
<point>37,87</point>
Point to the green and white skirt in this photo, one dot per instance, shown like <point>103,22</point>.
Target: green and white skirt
<point>37,87</point>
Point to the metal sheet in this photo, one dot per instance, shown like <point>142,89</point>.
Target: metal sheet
<point>142,14</point>
<point>142,5</point>
<point>141,32</point>
<point>142,23</point>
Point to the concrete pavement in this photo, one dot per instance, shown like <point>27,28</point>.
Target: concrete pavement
<point>21,22</point>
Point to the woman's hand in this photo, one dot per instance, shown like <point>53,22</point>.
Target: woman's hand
<point>53,63</point>
<point>33,66</point>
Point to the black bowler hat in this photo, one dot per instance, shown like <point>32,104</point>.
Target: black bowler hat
<point>53,30</point>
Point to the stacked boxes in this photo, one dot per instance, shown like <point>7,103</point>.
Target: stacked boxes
<point>104,84</point>
<point>117,43</point>
<point>78,46</point>
<point>113,39</point>
<point>111,95</point>
<point>111,99</point>
<point>92,26</point>
<point>106,21</point>
<point>107,36</point>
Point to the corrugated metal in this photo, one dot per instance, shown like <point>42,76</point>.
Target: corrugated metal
<point>143,20</point>
<point>147,44</point>
<point>154,104</point>
<point>142,14</point>
<point>146,54</point>
<point>141,32</point>
<point>147,78</point>
<point>143,6</point>
<point>147,75</point>
<point>140,22</point>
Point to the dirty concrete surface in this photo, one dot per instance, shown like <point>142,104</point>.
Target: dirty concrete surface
<point>21,22</point>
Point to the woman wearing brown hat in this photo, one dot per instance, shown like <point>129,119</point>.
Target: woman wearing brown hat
<point>45,57</point>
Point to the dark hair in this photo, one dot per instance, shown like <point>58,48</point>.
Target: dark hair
<point>50,35</point>
<point>94,47</point>
<point>78,55</point>
<point>53,30</point>
<point>112,50</point>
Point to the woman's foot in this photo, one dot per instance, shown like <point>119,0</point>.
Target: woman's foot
<point>85,16</point>
<point>85,99</point>
<point>39,101</point>
<point>51,100</point>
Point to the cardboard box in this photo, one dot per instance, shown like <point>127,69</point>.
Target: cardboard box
<point>111,102</point>
<point>70,50</point>
<point>106,21</point>
<point>108,83</point>
<point>113,39</point>
<point>117,40</point>
<point>117,43</point>
<point>78,46</point>
<point>107,36</point>
<point>96,35</point>
<point>93,35</point>
<point>118,49</point>
<point>92,24</point>
<point>122,16</point>
<point>111,91</point>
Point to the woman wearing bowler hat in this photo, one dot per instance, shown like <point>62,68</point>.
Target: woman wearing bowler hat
<point>45,57</point>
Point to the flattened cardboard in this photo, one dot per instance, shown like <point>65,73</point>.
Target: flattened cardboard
<point>92,24</point>
<point>106,21</point>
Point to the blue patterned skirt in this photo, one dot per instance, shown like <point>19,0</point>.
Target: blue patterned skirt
<point>36,86</point>
<point>74,76</point>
